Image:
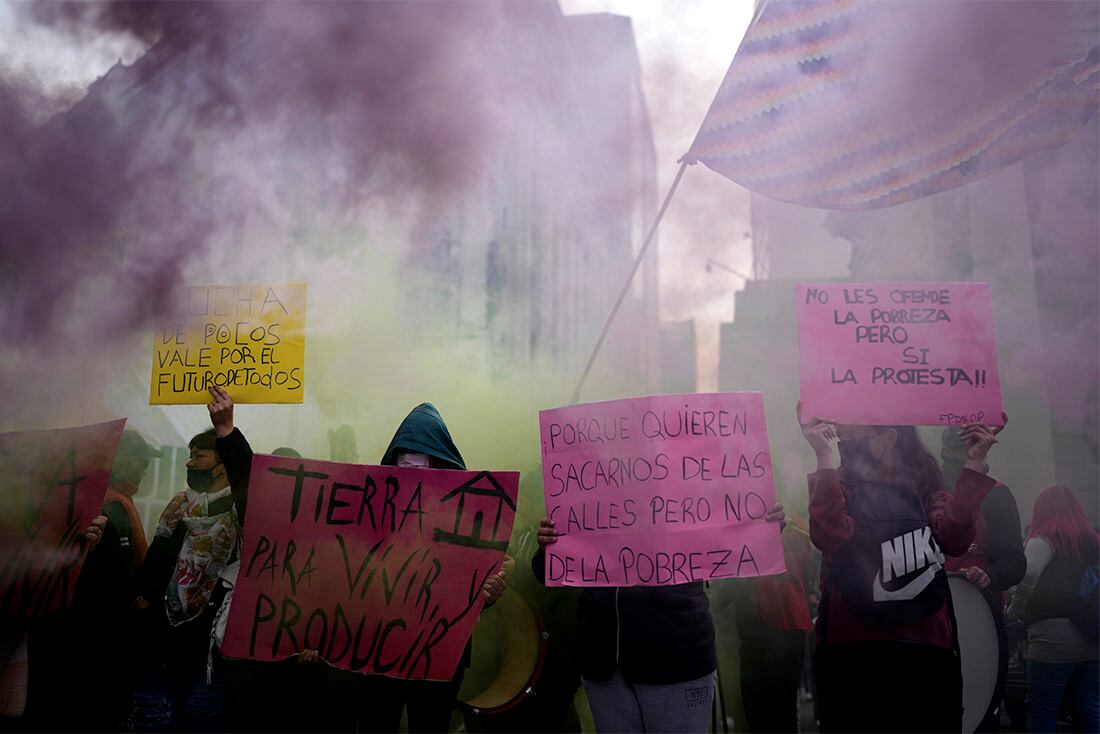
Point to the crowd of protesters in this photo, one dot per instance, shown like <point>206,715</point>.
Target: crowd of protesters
<point>137,649</point>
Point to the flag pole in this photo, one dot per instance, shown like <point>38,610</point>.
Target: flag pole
<point>684,163</point>
<point>629,279</point>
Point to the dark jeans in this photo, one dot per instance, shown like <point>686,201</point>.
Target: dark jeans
<point>888,686</point>
<point>162,703</point>
<point>1048,683</point>
<point>170,689</point>
<point>381,701</point>
<point>771,670</point>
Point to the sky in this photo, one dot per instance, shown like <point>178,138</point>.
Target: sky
<point>684,49</point>
<point>61,67</point>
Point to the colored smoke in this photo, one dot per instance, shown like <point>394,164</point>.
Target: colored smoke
<point>287,141</point>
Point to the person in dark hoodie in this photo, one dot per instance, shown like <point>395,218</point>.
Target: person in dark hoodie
<point>993,563</point>
<point>647,653</point>
<point>422,440</point>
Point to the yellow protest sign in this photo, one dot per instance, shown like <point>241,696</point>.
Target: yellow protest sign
<point>248,339</point>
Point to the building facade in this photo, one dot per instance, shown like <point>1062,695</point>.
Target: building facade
<point>1031,231</point>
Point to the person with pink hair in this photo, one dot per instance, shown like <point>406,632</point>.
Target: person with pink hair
<point>1057,599</point>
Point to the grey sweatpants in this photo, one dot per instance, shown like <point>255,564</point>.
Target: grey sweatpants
<point>620,706</point>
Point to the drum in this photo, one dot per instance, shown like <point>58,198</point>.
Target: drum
<point>979,650</point>
<point>509,648</point>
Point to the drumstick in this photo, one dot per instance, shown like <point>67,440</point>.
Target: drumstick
<point>794,527</point>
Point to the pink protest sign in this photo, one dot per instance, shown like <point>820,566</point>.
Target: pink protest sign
<point>52,485</point>
<point>919,354</point>
<point>659,491</point>
<point>378,568</point>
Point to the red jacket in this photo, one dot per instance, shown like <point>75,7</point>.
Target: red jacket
<point>123,493</point>
<point>780,601</point>
<point>952,518</point>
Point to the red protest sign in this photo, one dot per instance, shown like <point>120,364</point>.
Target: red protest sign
<point>378,568</point>
<point>52,485</point>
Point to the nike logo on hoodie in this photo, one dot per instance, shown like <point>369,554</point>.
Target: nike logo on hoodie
<point>903,556</point>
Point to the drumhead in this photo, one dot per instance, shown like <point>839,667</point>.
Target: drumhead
<point>978,650</point>
<point>508,652</point>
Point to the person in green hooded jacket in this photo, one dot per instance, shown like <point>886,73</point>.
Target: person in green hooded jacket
<point>423,441</point>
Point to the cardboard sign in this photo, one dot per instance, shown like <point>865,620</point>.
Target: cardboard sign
<point>52,485</point>
<point>659,491</point>
<point>247,339</point>
<point>378,568</point>
<point>918,354</point>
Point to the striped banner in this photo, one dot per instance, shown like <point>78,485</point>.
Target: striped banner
<point>856,105</point>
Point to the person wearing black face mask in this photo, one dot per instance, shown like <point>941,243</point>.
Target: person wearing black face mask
<point>180,587</point>
<point>887,643</point>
